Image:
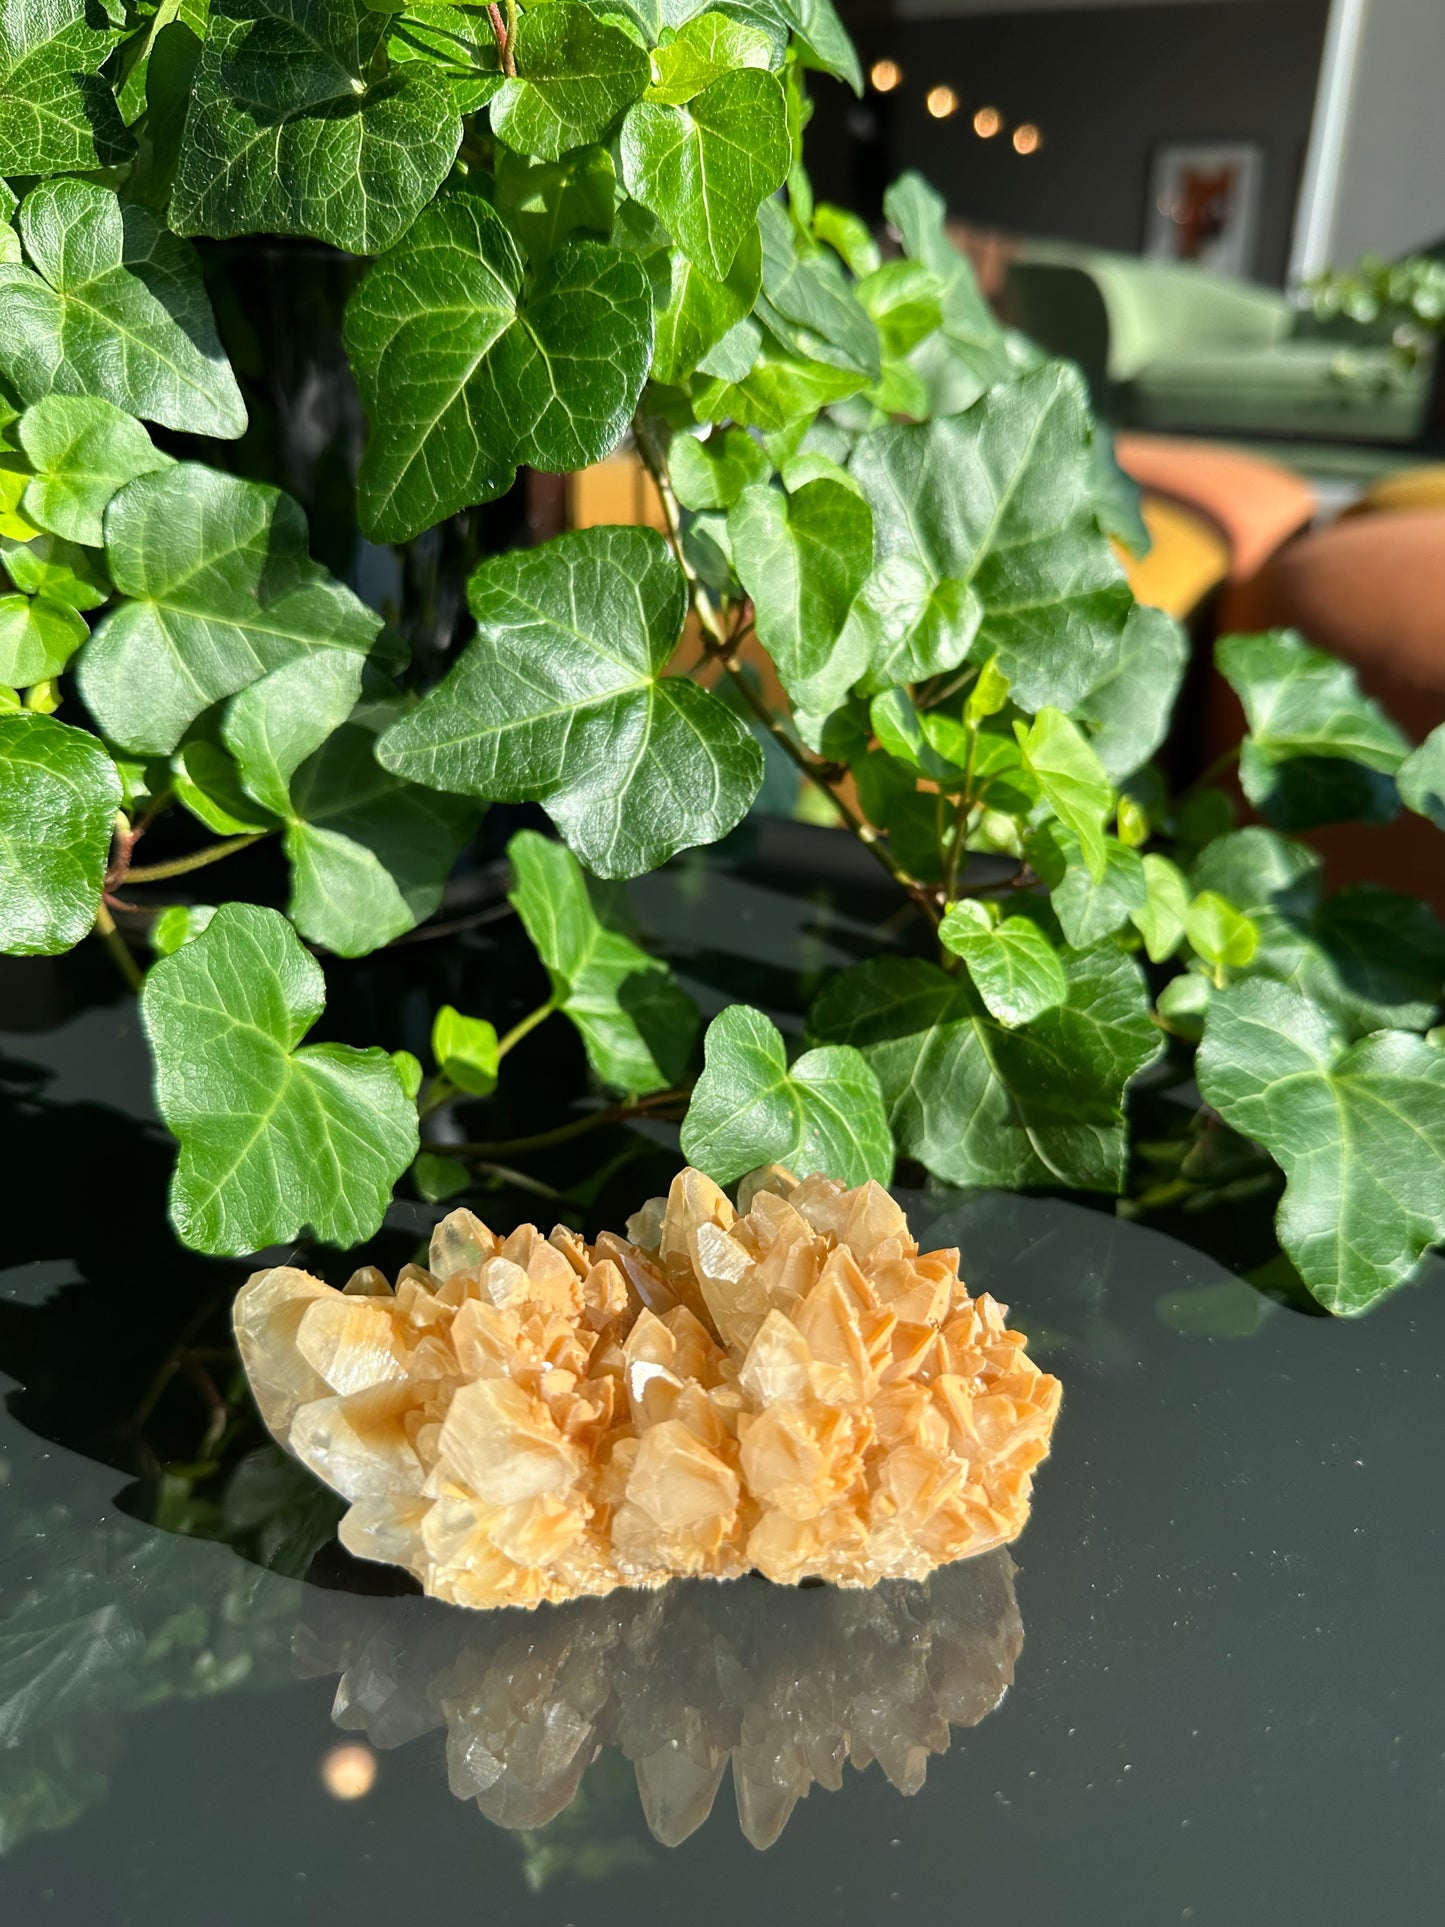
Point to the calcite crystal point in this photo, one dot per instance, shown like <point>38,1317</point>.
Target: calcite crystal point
<point>789,1386</point>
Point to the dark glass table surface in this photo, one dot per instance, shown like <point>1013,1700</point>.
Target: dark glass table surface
<point>1228,1707</point>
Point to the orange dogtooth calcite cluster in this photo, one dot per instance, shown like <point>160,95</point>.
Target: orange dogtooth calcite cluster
<point>789,1386</point>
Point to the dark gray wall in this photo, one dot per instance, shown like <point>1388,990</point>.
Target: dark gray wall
<point>1106,85</point>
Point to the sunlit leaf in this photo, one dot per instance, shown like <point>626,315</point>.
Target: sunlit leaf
<point>83,450</point>
<point>1318,750</point>
<point>465,375</point>
<point>59,793</point>
<point>1072,781</point>
<point>978,1102</point>
<point>560,699</point>
<point>370,853</point>
<point>297,127</point>
<point>986,522</point>
<point>1014,967</point>
<point>112,305</point>
<point>802,556</point>
<point>220,590</point>
<point>37,639</point>
<point>1356,1129</point>
<point>575,75</point>
<point>637,1024</point>
<point>57,115</point>
<point>750,1108</point>
<point>703,168</point>
<point>465,1049</point>
<point>274,1134</point>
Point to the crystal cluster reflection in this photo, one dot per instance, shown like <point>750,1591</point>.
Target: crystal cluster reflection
<point>786,1686</point>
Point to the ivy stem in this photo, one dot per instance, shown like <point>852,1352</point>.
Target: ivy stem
<point>506,32</point>
<point>528,1023</point>
<point>656,465</point>
<point>119,949</point>
<point>723,647</point>
<point>180,866</point>
<point>562,1133</point>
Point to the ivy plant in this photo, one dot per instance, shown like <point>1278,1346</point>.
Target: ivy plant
<point>886,576</point>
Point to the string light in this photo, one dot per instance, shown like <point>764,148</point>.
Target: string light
<point>1027,138</point>
<point>885,76</point>
<point>987,122</point>
<point>941,102</point>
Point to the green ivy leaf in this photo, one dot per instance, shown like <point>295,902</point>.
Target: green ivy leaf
<point>206,782</point>
<point>1014,967</point>
<point>83,450</point>
<point>370,854</point>
<point>802,556</point>
<point>1318,751</point>
<point>816,24</point>
<point>994,504</point>
<point>712,474</point>
<point>297,127</point>
<point>980,1103</point>
<point>636,1023</point>
<point>112,305</point>
<point>934,747</point>
<point>1357,1131</point>
<point>971,352</point>
<point>1374,960</point>
<point>464,376</point>
<point>439,1178</point>
<point>59,793</point>
<point>221,592</point>
<point>703,50</point>
<point>61,571</point>
<point>37,638</point>
<point>458,43</point>
<point>545,201</point>
<point>809,304</point>
<point>695,312</point>
<point>1089,907</point>
<point>1421,778</point>
<point>575,75</point>
<point>1160,918</point>
<point>704,168</point>
<point>775,388</point>
<point>1072,781</point>
<point>465,1051</point>
<point>273,725</point>
<point>902,299</point>
<point>749,1108</point>
<point>178,924</point>
<point>57,114</point>
<point>560,699</point>
<point>1130,705</point>
<point>408,1069</point>
<point>1218,933</point>
<point>274,1135</point>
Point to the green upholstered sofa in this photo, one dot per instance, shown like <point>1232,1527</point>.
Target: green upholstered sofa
<point>1181,350</point>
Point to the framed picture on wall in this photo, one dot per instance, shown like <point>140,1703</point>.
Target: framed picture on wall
<point>1204,205</point>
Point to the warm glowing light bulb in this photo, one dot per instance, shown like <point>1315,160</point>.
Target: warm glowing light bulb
<point>1027,138</point>
<point>987,122</point>
<point>885,75</point>
<point>349,1772</point>
<point>941,102</point>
